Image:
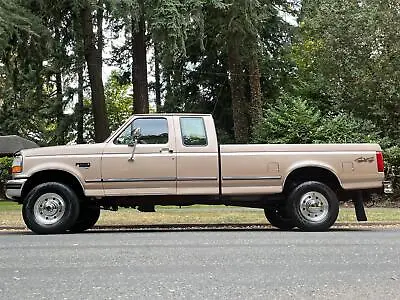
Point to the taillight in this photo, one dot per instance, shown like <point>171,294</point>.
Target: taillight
<point>379,161</point>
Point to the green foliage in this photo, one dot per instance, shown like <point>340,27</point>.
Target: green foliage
<point>119,104</point>
<point>392,157</point>
<point>293,120</point>
<point>347,53</point>
<point>118,100</point>
<point>5,165</point>
<point>392,162</point>
<point>392,168</point>
<point>34,55</point>
<point>290,121</point>
<point>15,19</point>
<point>345,128</point>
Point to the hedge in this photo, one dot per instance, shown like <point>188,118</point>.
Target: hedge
<point>5,165</point>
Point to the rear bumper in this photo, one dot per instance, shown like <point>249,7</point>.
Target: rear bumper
<point>14,189</point>
<point>387,187</point>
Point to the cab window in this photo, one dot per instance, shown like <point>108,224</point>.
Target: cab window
<point>153,131</point>
<point>193,131</point>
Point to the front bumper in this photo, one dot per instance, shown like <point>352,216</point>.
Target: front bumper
<point>14,189</point>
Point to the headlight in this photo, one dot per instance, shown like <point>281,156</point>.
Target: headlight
<point>17,165</point>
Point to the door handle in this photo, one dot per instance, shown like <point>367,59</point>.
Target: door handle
<point>166,149</point>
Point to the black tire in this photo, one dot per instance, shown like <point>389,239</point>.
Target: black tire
<point>50,208</point>
<point>89,214</point>
<point>313,206</point>
<point>278,217</point>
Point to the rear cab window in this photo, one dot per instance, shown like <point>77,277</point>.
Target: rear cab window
<point>193,131</point>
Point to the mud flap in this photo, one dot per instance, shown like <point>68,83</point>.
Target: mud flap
<point>359,207</point>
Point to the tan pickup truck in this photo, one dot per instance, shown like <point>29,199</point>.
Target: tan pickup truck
<point>175,159</point>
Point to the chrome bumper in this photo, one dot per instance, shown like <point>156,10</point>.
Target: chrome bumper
<point>14,188</point>
<point>387,187</point>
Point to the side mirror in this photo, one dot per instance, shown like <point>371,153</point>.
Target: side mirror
<point>135,135</point>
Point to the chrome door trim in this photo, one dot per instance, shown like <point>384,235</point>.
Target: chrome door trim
<point>139,179</point>
<point>251,177</point>
<point>197,178</point>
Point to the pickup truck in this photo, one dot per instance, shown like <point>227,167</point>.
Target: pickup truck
<point>175,159</point>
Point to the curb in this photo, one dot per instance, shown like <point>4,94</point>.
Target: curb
<point>226,226</point>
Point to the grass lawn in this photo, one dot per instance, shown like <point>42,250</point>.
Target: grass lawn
<point>10,215</point>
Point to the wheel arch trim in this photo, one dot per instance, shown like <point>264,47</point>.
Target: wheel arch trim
<point>49,169</point>
<point>314,165</point>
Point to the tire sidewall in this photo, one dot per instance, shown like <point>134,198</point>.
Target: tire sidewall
<point>69,218</point>
<point>293,206</point>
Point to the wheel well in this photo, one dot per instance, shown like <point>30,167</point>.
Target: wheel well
<point>312,174</point>
<point>53,176</point>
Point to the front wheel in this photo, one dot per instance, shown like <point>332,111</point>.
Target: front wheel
<point>313,206</point>
<point>50,208</point>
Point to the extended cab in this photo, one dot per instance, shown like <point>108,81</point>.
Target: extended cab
<point>175,159</point>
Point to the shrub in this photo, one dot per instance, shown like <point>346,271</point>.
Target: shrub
<point>294,121</point>
<point>345,128</point>
<point>392,166</point>
<point>290,121</point>
<point>5,165</point>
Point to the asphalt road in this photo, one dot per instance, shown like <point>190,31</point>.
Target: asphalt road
<point>268,264</point>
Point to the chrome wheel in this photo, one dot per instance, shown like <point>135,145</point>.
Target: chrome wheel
<point>49,209</point>
<point>314,206</point>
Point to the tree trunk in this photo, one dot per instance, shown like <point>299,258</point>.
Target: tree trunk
<point>80,66</point>
<point>58,108</point>
<point>255,109</point>
<point>169,103</point>
<point>239,104</point>
<point>157,75</point>
<point>139,64</point>
<point>99,23</point>
<point>94,63</point>
<point>79,106</point>
<point>60,138</point>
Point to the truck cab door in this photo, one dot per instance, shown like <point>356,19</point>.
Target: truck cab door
<point>147,167</point>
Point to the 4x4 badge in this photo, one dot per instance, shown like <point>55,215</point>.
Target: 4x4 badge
<point>365,159</point>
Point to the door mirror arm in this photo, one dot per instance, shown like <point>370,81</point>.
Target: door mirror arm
<point>132,158</point>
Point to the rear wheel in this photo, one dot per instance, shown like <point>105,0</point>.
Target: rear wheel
<point>89,215</point>
<point>313,206</point>
<point>278,217</point>
<point>50,207</point>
